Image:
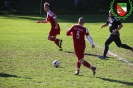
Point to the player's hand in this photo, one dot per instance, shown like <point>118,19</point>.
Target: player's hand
<point>93,46</point>
<point>56,27</point>
<point>114,31</point>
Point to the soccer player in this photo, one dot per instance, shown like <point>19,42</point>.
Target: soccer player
<point>55,28</point>
<point>78,32</point>
<point>114,26</point>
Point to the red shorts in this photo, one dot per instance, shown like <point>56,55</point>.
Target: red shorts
<point>79,51</point>
<point>54,32</point>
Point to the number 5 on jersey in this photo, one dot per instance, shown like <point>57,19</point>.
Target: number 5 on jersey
<point>78,35</point>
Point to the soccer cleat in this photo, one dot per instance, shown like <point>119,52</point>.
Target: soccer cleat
<point>76,72</point>
<point>93,70</point>
<point>60,43</point>
<point>101,57</point>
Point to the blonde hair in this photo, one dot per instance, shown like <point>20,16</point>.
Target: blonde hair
<point>46,4</point>
<point>81,20</point>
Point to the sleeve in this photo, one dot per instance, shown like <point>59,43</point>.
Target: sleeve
<point>118,22</point>
<point>69,32</point>
<point>52,15</point>
<point>87,32</point>
<point>89,37</point>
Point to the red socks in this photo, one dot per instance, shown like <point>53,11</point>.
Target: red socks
<point>86,64</point>
<point>78,64</point>
<point>57,42</point>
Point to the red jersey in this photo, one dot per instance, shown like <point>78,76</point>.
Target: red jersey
<point>78,32</point>
<point>50,17</point>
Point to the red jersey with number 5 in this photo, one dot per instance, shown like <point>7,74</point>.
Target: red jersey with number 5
<point>78,32</point>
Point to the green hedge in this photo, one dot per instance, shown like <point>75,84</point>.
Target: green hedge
<point>58,6</point>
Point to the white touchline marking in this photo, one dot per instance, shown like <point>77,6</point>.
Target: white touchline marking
<point>119,58</point>
<point>109,52</point>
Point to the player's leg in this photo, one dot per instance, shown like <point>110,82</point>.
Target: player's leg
<point>51,35</point>
<point>79,51</point>
<point>108,41</point>
<point>119,44</point>
<point>51,38</point>
<point>58,42</point>
<point>78,68</point>
<point>85,63</point>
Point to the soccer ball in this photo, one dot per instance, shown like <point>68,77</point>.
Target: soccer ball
<point>56,63</point>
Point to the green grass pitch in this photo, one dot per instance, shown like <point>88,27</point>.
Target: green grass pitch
<point>26,55</point>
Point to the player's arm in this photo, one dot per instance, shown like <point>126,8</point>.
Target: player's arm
<point>56,23</point>
<point>119,27</point>
<point>106,24</point>
<point>69,32</point>
<point>89,38</point>
<point>42,21</point>
<point>54,17</point>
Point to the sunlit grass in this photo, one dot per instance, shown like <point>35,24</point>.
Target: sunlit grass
<point>26,55</point>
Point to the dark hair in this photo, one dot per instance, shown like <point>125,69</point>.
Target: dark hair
<point>46,4</point>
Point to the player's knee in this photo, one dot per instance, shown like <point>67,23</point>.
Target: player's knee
<point>106,44</point>
<point>81,61</point>
<point>119,45</point>
<point>49,38</point>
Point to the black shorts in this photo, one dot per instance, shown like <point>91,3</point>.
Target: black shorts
<point>115,38</point>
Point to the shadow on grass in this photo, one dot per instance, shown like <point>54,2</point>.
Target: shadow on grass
<point>7,75</point>
<point>90,18</point>
<point>94,55</point>
<point>26,17</point>
<point>84,53</point>
<point>61,67</point>
<point>10,75</point>
<point>117,81</point>
<point>79,75</point>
